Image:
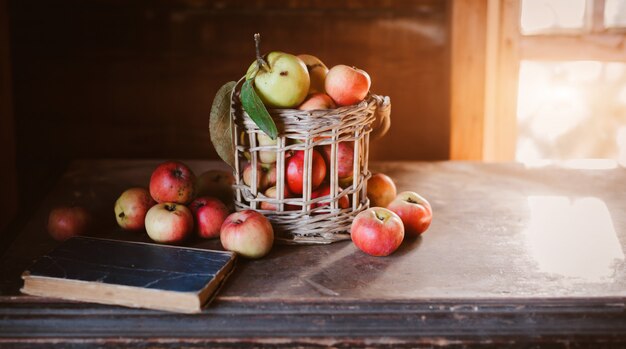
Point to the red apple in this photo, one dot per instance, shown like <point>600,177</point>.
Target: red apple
<point>377,231</point>
<point>324,190</point>
<point>380,190</point>
<point>271,193</point>
<point>317,101</point>
<point>65,222</point>
<point>345,159</point>
<point>169,222</point>
<point>209,214</point>
<point>414,210</point>
<point>247,233</point>
<point>347,85</point>
<point>217,184</point>
<point>295,171</point>
<point>131,208</point>
<point>172,181</point>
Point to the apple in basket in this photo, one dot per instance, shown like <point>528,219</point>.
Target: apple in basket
<point>377,231</point>
<point>317,73</point>
<point>414,210</point>
<point>284,83</point>
<point>347,85</point>
<point>248,233</point>
<point>324,190</point>
<point>294,169</point>
<point>345,160</point>
<point>265,176</point>
<point>271,193</point>
<point>131,208</point>
<point>172,181</point>
<point>169,222</point>
<point>267,156</point>
<point>317,101</point>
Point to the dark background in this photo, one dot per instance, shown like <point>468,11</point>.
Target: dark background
<point>135,79</point>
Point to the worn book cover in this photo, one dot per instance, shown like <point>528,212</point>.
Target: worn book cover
<point>132,274</point>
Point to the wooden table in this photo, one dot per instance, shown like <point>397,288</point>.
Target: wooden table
<point>514,256</point>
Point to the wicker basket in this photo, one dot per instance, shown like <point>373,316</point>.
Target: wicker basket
<point>313,221</point>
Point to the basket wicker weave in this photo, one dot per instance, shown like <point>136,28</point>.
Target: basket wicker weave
<point>306,130</point>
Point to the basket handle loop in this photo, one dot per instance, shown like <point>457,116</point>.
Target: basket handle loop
<point>382,120</point>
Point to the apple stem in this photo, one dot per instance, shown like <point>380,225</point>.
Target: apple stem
<point>261,63</point>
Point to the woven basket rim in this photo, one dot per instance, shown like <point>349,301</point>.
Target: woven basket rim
<point>310,114</point>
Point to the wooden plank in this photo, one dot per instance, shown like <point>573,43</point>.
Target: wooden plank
<point>557,323</point>
<point>468,32</point>
<point>501,110</point>
<point>595,47</point>
<point>8,176</point>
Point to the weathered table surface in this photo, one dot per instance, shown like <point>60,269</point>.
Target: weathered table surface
<point>514,255</point>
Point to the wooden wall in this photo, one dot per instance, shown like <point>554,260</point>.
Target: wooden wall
<point>8,181</point>
<point>112,78</point>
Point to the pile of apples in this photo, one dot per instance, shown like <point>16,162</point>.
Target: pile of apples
<point>304,82</point>
<point>380,230</point>
<point>179,205</point>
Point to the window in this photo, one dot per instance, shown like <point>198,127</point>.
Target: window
<point>553,78</point>
<point>571,98</point>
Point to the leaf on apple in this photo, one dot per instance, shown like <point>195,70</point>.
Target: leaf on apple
<point>255,108</point>
<point>220,124</point>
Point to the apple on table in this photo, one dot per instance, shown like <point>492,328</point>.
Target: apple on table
<point>381,190</point>
<point>217,184</point>
<point>248,233</point>
<point>377,231</point>
<point>209,214</point>
<point>172,181</point>
<point>414,210</point>
<point>131,208</point>
<point>65,222</point>
<point>169,222</point>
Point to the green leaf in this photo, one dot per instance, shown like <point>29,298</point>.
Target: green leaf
<point>220,124</point>
<point>255,108</point>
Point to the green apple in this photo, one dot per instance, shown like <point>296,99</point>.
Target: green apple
<point>284,83</point>
<point>267,156</point>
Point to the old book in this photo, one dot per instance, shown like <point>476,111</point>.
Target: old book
<point>131,274</point>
